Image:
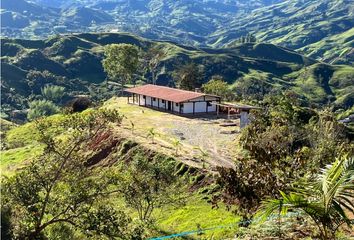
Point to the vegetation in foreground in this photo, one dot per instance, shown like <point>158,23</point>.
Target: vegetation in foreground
<point>104,167</point>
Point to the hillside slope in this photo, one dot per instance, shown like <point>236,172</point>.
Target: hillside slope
<point>75,62</point>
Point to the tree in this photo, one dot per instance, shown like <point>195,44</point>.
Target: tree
<point>37,79</point>
<point>41,108</point>
<point>177,144</point>
<point>325,198</point>
<point>152,59</point>
<point>60,187</point>
<point>202,155</point>
<point>217,86</point>
<point>147,184</point>
<point>152,134</point>
<point>53,93</point>
<point>121,62</point>
<point>283,142</point>
<point>252,88</point>
<point>79,104</point>
<point>188,76</point>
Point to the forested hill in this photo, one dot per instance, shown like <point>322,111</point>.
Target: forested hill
<point>321,29</point>
<point>74,61</point>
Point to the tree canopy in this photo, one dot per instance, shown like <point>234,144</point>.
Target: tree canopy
<point>188,76</point>
<point>121,62</point>
<point>60,189</point>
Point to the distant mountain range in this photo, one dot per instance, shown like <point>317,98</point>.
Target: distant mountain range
<point>321,29</point>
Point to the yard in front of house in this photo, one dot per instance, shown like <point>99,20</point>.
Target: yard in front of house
<point>196,138</point>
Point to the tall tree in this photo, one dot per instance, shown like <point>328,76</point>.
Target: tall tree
<point>121,62</point>
<point>152,59</point>
<point>219,87</point>
<point>188,76</point>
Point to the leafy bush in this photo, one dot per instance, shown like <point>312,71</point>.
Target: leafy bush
<point>41,108</point>
<point>79,104</point>
<point>217,86</point>
<point>283,142</point>
<point>53,93</point>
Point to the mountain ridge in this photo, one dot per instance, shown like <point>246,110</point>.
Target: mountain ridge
<point>74,61</point>
<point>298,25</point>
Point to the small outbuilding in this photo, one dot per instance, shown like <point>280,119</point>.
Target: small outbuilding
<point>173,100</point>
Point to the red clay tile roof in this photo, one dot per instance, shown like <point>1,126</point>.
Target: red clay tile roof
<point>166,93</point>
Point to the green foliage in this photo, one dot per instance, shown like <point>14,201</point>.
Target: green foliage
<point>195,214</point>
<point>59,188</point>
<point>53,93</point>
<point>188,76</point>
<point>283,142</point>
<point>325,198</point>
<point>147,184</point>
<point>121,62</point>
<point>152,59</point>
<point>152,134</point>
<point>75,62</point>
<point>217,86</point>
<point>41,108</point>
<point>38,81</point>
<point>252,87</point>
<point>177,145</point>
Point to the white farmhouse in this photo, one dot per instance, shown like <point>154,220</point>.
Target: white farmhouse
<point>173,100</point>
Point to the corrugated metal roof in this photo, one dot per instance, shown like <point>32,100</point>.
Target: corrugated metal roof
<point>166,93</point>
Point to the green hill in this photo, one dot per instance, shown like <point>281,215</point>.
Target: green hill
<point>75,60</point>
<point>337,49</point>
<point>321,29</point>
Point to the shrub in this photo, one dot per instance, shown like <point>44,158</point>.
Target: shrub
<point>79,104</point>
<point>41,108</point>
<point>53,93</point>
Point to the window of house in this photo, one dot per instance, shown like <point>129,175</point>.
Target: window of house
<point>144,97</point>
<point>181,105</point>
<point>163,101</point>
<point>177,104</point>
<point>154,99</point>
<point>209,104</point>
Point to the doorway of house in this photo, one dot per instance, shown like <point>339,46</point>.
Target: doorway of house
<point>169,105</point>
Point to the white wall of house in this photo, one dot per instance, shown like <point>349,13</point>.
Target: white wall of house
<point>142,100</point>
<point>162,103</point>
<point>199,104</point>
<point>200,107</point>
<point>187,107</point>
<point>176,107</point>
<point>148,101</point>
